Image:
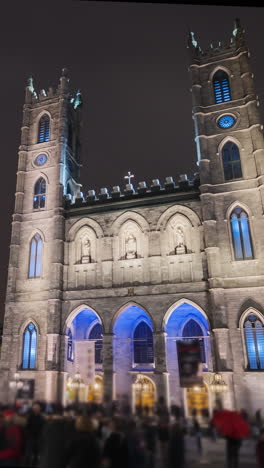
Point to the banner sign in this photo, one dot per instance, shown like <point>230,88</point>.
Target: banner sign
<point>85,357</point>
<point>27,391</point>
<point>190,364</point>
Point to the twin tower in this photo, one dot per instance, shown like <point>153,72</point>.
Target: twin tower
<point>214,276</point>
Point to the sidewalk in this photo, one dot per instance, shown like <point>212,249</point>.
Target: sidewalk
<point>214,453</point>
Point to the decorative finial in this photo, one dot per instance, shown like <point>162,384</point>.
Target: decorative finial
<point>191,40</point>
<point>30,84</point>
<point>129,176</point>
<point>64,72</point>
<point>78,99</point>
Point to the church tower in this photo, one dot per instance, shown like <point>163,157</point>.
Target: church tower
<point>230,151</point>
<point>48,168</point>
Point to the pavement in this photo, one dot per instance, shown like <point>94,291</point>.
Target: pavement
<point>213,453</point>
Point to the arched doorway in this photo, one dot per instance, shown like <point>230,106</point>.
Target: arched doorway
<point>84,325</point>
<point>144,394</point>
<point>197,401</point>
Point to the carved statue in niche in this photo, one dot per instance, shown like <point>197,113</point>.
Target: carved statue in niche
<point>131,246</point>
<point>86,250</point>
<point>180,241</point>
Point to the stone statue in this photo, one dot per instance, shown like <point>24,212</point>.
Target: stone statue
<point>86,251</point>
<point>180,241</point>
<point>131,247</point>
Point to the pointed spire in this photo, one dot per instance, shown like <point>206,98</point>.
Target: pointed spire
<point>64,80</point>
<point>191,40</point>
<point>238,33</point>
<point>78,99</point>
<point>30,85</point>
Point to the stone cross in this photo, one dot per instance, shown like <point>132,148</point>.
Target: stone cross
<point>129,176</point>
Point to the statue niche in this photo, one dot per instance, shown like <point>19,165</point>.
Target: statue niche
<point>180,241</point>
<point>131,247</point>
<point>86,250</point>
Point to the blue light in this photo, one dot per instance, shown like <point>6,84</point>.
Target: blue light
<point>35,257</point>
<point>221,87</point>
<point>226,121</point>
<point>29,347</point>
<point>236,237</point>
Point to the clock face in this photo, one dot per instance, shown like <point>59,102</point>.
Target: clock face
<point>40,159</point>
<point>226,121</point>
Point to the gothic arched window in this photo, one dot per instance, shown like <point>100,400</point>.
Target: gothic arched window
<point>193,332</point>
<point>35,257</point>
<point>96,334</point>
<point>221,87</point>
<point>44,129</point>
<point>29,347</point>
<point>39,198</point>
<point>70,347</point>
<point>143,344</point>
<point>231,161</point>
<point>254,338</point>
<point>242,243</point>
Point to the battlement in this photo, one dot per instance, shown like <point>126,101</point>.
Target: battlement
<point>116,195</point>
<point>32,97</point>
<point>219,50</point>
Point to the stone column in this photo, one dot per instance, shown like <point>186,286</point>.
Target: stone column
<point>161,374</point>
<point>108,365</point>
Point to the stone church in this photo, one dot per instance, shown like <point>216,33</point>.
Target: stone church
<point>134,271</point>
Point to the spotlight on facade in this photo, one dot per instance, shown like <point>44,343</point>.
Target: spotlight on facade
<point>218,384</point>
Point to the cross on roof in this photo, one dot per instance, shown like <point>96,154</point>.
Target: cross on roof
<point>129,176</point>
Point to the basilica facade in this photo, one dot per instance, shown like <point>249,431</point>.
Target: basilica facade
<point>135,270</point>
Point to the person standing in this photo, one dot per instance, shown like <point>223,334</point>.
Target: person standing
<point>11,449</point>
<point>260,450</point>
<point>33,430</point>
<point>176,448</point>
<point>198,434</point>
<point>232,452</point>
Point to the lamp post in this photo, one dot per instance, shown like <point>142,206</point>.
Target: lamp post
<point>16,385</point>
<point>76,384</point>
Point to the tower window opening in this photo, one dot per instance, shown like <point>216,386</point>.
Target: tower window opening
<point>221,87</point>
<point>29,347</point>
<point>254,338</point>
<point>39,198</point>
<point>44,129</point>
<point>231,161</point>
<point>242,243</point>
<point>193,332</point>
<point>35,257</point>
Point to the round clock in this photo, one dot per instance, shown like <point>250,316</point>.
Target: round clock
<point>226,121</point>
<point>40,159</point>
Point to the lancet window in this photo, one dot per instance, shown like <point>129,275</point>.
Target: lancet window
<point>44,129</point>
<point>143,344</point>
<point>70,347</point>
<point>35,257</point>
<point>193,332</point>
<point>241,236</point>
<point>97,335</point>
<point>254,339</point>
<point>221,87</point>
<point>231,161</point>
<point>29,352</point>
<point>39,198</point>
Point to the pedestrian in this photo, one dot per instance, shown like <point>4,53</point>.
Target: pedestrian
<point>260,450</point>
<point>163,437</point>
<point>176,449</point>
<point>149,428</point>
<point>57,432</point>
<point>83,449</point>
<point>136,445</point>
<point>115,452</point>
<point>33,432</point>
<point>232,452</point>
<point>197,434</point>
<point>11,447</point>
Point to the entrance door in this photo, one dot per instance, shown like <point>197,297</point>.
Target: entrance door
<point>95,391</point>
<point>144,393</point>
<point>197,400</point>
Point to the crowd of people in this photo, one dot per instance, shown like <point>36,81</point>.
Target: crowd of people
<point>102,436</point>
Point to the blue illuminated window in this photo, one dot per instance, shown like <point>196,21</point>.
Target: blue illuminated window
<point>221,87</point>
<point>143,344</point>
<point>39,198</point>
<point>226,121</point>
<point>29,347</point>
<point>70,347</point>
<point>254,336</point>
<point>193,332</point>
<point>231,161</point>
<point>241,235</point>
<point>97,334</point>
<point>35,257</point>
<point>44,129</point>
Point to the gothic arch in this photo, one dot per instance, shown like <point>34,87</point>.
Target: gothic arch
<point>126,306</point>
<point>217,69</point>
<point>176,304</point>
<point>129,216</point>
<point>233,140</point>
<point>175,209</point>
<point>238,204</point>
<point>243,318</point>
<point>36,231</point>
<point>81,223</point>
<point>74,314</point>
<point>38,176</point>
<point>248,311</point>
<point>37,121</point>
<point>26,322</point>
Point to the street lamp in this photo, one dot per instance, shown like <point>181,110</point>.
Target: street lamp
<point>76,384</point>
<point>16,384</point>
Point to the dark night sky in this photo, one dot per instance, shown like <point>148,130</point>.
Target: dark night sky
<point>131,63</point>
